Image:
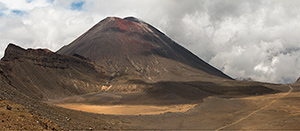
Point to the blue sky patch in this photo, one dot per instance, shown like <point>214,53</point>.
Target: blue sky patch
<point>2,10</point>
<point>50,1</point>
<point>77,5</point>
<point>18,12</point>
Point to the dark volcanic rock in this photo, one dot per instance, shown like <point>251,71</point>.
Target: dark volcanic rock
<point>8,107</point>
<point>13,52</point>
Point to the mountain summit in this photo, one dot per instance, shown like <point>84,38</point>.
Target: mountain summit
<point>131,47</point>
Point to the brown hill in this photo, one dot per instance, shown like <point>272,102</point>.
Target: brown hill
<point>43,74</point>
<point>134,49</point>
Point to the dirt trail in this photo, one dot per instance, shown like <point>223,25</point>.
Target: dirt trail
<point>264,107</point>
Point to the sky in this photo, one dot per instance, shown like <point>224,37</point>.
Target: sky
<point>246,39</point>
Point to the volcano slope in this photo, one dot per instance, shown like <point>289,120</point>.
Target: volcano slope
<point>123,62</point>
<point>142,59</point>
<point>136,50</point>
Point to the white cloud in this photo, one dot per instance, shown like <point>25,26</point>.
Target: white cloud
<point>46,27</point>
<point>257,39</point>
<point>24,5</point>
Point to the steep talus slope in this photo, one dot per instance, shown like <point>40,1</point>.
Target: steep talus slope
<point>132,48</point>
<point>43,74</point>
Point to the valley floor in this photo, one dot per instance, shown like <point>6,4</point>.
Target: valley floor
<point>128,109</point>
<point>280,111</point>
<point>266,112</point>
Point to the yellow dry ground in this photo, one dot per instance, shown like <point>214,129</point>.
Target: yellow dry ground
<point>128,109</point>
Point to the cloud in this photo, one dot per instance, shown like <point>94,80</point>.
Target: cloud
<point>24,5</point>
<point>250,39</point>
<point>43,27</point>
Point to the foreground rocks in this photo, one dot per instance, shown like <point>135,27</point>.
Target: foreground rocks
<point>17,117</point>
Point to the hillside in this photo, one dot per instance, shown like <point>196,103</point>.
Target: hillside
<point>43,74</point>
